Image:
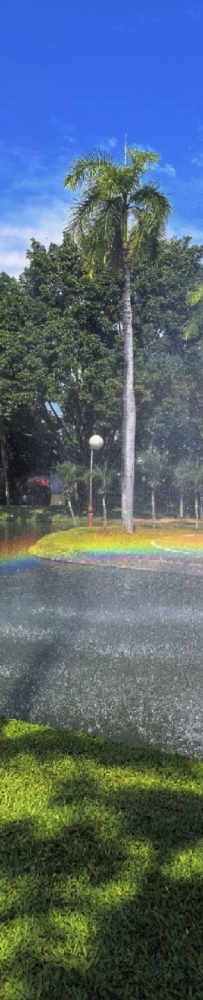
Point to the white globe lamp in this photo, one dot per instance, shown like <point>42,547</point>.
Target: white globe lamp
<point>95,443</point>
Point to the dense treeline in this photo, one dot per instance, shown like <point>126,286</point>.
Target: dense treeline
<point>61,345</point>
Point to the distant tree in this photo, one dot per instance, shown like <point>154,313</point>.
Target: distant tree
<point>161,287</point>
<point>75,330</point>
<point>197,482</point>
<point>104,477</point>
<point>182,476</point>
<point>169,397</point>
<point>188,474</point>
<point>68,473</point>
<point>20,368</point>
<point>153,465</point>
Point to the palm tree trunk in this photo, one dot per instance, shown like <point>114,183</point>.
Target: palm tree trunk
<point>4,462</point>
<point>104,511</point>
<point>181,505</point>
<point>129,411</point>
<point>71,512</point>
<point>153,507</point>
<point>196,513</point>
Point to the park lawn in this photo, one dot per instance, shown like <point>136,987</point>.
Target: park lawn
<point>112,540</point>
<point>101,869</point>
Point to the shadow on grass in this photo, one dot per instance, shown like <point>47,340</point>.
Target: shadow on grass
<point>143,944</point>
<point>48,743</point>
<point>147,946</point>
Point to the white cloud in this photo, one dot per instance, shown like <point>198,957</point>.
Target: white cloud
<point>33,203</point>
<point>106,142</point>
<point>46,227</point>
<point>112,142</point>
<point>71,139</point>
<point>167,169</point>
<point>198,160</point>
<point>15,236</point>
<point>179,227</point>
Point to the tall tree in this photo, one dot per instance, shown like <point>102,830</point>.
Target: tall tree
<point>22,384</point>
<point>75,330</point>
<point>161,286</point>
<point>115,212</point>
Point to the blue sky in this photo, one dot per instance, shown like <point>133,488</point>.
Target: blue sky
<point>78,75</point>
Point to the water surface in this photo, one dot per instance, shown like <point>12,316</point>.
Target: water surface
<point>107,651</point>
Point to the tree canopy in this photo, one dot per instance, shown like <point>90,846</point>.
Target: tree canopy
<point>62,363</point>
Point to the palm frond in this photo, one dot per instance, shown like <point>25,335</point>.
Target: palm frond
<point>195,296</point>
<point>141,159</point>
<point>149,197</point>
<point>110,194</point>
<point>86,209</point>
<point>86,167</point>
<point>98,228</point>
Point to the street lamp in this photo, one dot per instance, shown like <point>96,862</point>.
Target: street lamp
<point>95,443</point>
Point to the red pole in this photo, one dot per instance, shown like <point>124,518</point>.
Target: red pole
<point>89,517</point>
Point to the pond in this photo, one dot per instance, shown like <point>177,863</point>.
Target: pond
<point>104,650</point>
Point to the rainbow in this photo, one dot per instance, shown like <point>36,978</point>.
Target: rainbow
<point>95,546</point>
<point>15,556</point>
<point>82,547</point>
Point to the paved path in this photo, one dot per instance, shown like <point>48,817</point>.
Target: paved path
<point>109,651</point>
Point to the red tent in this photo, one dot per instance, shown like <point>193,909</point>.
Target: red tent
<point>38,481</point>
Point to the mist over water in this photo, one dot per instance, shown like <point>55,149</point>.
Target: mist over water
<point>107,651</point>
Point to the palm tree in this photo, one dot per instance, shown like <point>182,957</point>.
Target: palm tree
<point>68,473</point>
<point>4,460</point>
<point>105,477</point>
<point>153,464</point>
<point>182,478</point>
<point>197,485</point>
<point>186,475</point>
<point>111,219</point>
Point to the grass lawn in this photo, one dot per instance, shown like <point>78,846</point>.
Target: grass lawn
<point>101,869</point>
<point>112,540</point>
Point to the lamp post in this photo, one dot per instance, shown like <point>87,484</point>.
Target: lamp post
<point>95,443</point>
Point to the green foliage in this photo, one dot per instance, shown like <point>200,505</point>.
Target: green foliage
<point>153,465</point>
<point>188,473</point>
<point>160,286</point>
<point>194,326</point>
<point>101,868</point>
<point>61,339</point>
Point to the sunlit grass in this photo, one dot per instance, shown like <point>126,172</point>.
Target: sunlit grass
<point>101,869</point>
<point>83,541</point>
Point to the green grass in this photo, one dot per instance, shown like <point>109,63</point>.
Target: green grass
<point>31,515</point>
<point>61,517</point>
<point>91,542</point>
<point>101,869</point>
